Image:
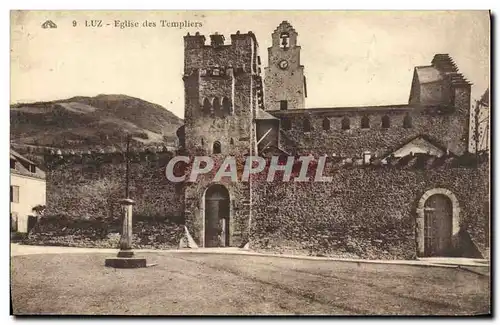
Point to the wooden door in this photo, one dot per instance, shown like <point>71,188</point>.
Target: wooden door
<point>437,226</point>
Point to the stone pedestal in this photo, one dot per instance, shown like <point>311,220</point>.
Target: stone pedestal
<point>125,257</point>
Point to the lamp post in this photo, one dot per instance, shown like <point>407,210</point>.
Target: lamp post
<point>125,257</point>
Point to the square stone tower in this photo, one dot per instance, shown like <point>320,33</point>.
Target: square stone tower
<point>223,89</point>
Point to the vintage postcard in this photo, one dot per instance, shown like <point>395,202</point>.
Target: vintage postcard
<point>250,163</point>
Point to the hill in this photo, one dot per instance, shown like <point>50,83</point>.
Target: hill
<point>90,122</point>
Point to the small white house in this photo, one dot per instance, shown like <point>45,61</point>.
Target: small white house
<point>27,190</point>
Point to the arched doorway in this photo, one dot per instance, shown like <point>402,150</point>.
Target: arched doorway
<point>438,223</point>
<point>437,226</point>
<point>217,216</point>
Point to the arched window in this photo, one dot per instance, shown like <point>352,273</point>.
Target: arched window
<point>386,122</point>
<point>407,121</point>
<point>346,124</point>
<point>326,124</point>
<point>206,107</point>
<point>286,124</point>
<point>217,147</point>
<point>226,106</point>
<point>365,122</point>
<point>284,40</point>
<point>307,125</point>
<point>216,106</point>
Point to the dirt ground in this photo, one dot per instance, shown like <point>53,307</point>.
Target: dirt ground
<point>211,284</point>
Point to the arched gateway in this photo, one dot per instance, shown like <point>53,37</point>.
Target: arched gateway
<point>437,223</point>
<point>217,202</point>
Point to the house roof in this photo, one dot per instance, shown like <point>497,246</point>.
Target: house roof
<point>485,99</point>
<point>21,169</point>
<point>422,138</point>
<point>14,154</point>
<point>427,74</point>
<point>263,115</point>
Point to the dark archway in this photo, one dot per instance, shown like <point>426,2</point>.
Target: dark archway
<point>207,108</point>
<point>386,122</point>
<point>217,211</point>
<point>346,124</point>
<point>217,147</point>
<point>326,124</point>
<point>226,106</point>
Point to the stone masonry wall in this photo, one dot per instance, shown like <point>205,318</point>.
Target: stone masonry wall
<point>90,191</point>
<point>364,212</point>
<point>449,128</point>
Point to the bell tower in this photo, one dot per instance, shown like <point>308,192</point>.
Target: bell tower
<point>285,83</point>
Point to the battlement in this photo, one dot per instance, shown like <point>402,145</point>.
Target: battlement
<point>218,40</point>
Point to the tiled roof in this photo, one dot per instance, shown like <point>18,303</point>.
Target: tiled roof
<point>428,74</point>
<point>21,169</point>
<point>263,115</point>
<point>485,99</point>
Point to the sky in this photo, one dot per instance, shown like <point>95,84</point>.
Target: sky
<point>351,58</point>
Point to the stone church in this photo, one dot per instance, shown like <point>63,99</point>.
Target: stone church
<point>400,186</point>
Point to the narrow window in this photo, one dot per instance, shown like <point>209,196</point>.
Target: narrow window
<point>326,124</point>
<point>286,124</point>
<point>407,122</point>
<point>232,141</point>
<point>226,106</point>
<point>365,122</point>
<point>283,105</point>
<point>216,106</point>
<point>216,147</point>
<point>386,122</point>
<point>13,164</point>
<point>206,107</point>
<point>14,194</point>
<point>346,124</point>
<point>307,125</point>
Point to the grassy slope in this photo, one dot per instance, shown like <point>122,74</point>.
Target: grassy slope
<point>91,121</point>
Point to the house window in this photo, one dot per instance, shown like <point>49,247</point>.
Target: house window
<point>307,125</point>
<point>326,124</point>
<point>365,122</point>
<point>346,124</point>
<point>283,105</point>
<point>216,147</point>
<point>13,164</point>
<point>32,168</point>
<point>14,194</point>
<point>231,142</point>
<point>386,122</point>
<point>407,122</point>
